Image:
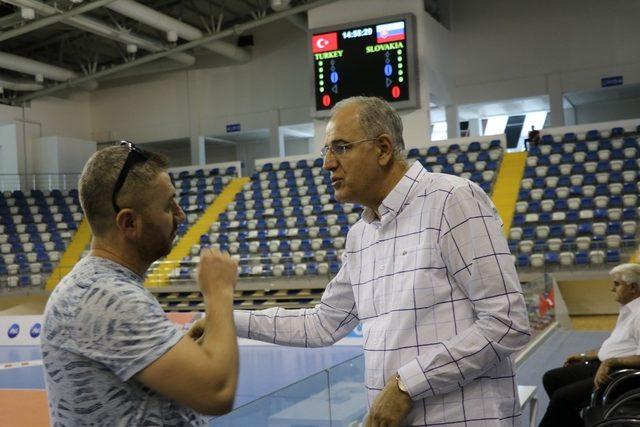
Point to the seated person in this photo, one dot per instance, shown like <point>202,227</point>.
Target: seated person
<point>569,388</point>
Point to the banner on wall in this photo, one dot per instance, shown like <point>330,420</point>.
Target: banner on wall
<point>26,330</point>
<point>20,330</point>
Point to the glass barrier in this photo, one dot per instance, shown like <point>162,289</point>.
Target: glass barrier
<point>39,181</point>
<point>540,300</point>
<point>332,397</point>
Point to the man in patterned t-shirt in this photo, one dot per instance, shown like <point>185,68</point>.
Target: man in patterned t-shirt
<point>111,356</point>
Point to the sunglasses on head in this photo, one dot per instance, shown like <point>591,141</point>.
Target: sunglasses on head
<point>136,155</point>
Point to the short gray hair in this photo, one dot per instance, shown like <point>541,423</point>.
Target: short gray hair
<point>376,117</point>
<point>98,180</point>
<point>630,272</point>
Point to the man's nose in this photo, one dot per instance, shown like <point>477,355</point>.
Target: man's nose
<point>329,162</point>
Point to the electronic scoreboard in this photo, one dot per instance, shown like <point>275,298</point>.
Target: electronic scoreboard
<point>371,58</point>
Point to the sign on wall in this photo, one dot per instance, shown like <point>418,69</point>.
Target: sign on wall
<point>611,81</point>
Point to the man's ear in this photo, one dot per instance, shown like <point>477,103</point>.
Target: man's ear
<point>385,149</point>
<point>127,223</point>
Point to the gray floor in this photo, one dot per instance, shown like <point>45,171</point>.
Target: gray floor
<point>552,354</point>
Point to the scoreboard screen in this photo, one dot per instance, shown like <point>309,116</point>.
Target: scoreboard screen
<point>371,58</point>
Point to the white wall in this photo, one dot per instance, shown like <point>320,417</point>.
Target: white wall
<point>608,111</point>
<point>68,116</point>
<point>519,48</point>
<point>495,50</point>
<point>296,146</point>
<point>270,90</point>
<point>219,153</point>
<point>58,155</point>
<point>8,149</point>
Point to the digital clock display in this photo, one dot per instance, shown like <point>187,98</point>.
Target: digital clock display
<point>369,60</point>
<point>359,32</point>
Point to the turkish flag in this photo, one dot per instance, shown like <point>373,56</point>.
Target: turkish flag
<point>324,42</point>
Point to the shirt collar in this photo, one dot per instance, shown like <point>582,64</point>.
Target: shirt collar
<point>397,198</point>
<point>633,305</point>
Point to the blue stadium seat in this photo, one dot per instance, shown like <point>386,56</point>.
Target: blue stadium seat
<point>600,214</point>
<point>533,207</point>
<point>556,149</point>
<point>585,229</point>
<point>547,139</point>
<point>605,144</point>
<point>523,260</point>
<point>629,214</point>
<point>433,151</point>
<point>617,154</point>
<point>593,135</point>
<point>617,132</point>
<point>554,170</point>
<point>569,137</point>
<point>474,146</point>
<point>613,256</point>
<point>582,258</point>
<point>614,227</point>
<point>552,258</point>
<point>630,164</point>
<point>555,230</point>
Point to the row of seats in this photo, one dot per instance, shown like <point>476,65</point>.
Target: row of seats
<point>286,220</point>
<point>578,201</point>
<point>591,135</point>
<point>569,259</point>
<point>36,226</point>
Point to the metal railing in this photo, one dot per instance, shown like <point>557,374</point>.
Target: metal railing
<point>332,397</point>
<point>39,181</point>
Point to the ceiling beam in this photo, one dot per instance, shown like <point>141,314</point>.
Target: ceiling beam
<point>49,20</point>
<point>235,30</point>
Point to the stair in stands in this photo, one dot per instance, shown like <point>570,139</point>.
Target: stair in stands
<point>159,276</point>
<point>505,191</point>
<point>80,240</point>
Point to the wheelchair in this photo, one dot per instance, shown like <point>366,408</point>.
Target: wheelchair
<point>616,403</point>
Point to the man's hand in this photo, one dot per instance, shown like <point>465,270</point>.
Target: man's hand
<point>390,407</point>
<point>217,274</point>
<point>602,376</point>
<point>573,359</point>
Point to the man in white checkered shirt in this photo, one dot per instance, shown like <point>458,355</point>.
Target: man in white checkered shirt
<point>426,271</point>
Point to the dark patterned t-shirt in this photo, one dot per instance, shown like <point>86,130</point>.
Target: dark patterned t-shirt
<point>101,327</point>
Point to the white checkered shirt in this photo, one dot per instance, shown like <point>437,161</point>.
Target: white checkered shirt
<point>435,288</point>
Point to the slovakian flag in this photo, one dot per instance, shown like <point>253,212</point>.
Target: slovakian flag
<point>324,42</point>
<point>390,32</point>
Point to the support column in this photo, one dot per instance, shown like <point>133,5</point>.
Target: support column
<point>475,127</point>
<point>554,88</point>
<point>198,154</point>
<point>453,121</point>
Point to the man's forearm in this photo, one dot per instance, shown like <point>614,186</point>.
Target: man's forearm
<point>625,362</point>
<point>219,339</point>
<point>591,354</point>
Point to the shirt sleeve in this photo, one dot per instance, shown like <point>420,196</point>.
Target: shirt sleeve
<point>320,326</point>
<point>125,329</point>
<point>478,261</point>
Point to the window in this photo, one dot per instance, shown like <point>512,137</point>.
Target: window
<point>439,131</point>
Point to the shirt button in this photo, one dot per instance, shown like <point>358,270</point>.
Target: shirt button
<point>404,252</point>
